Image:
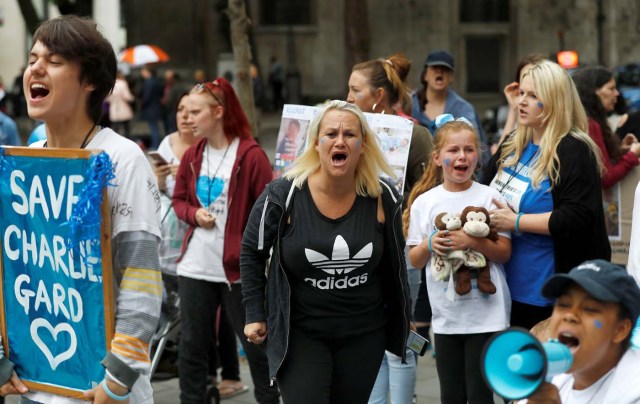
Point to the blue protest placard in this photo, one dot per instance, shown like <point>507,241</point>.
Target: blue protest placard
<point>56,292</point>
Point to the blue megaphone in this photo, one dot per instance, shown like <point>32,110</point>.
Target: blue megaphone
<point>515,363</point>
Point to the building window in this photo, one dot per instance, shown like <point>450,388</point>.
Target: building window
<point>484,11</point>
<point>484,56</point>
<point>285,12</point>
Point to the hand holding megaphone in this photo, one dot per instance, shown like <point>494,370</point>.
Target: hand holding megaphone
<point>515,364</point>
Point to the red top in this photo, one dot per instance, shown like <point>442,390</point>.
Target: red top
<point>614,171</point>
<point>251,172</point>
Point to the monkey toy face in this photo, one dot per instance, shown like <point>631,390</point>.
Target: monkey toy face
<point>475,221</point>
<point>448,221</point>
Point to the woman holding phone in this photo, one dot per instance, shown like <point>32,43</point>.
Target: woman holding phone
<point>218,181</point>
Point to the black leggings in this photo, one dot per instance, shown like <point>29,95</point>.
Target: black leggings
<point>458,365</point>
<point>331,370</point>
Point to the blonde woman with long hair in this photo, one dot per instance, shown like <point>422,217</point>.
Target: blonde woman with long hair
<point>549,171</point>
<point>335,296</point>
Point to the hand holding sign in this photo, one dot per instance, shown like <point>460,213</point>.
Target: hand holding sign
<point>13,386</point>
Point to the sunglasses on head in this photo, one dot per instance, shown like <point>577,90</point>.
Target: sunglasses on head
<point>204,86</point>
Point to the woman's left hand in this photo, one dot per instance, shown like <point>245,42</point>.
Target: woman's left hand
<point>626,143</point>
<point>503,218</point>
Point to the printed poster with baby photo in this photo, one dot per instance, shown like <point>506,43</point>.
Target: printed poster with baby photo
<point>393,133</point>
<point>292,136</point>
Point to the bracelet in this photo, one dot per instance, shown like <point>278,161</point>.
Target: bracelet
<point>518,222</point>
<point>429,243</point>
<point>111,394</point>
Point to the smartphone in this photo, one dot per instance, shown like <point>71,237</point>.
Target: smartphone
<point>157,158</point>
<point>417,343</point>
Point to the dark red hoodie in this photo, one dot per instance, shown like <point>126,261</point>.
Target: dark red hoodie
<point>251,172</point>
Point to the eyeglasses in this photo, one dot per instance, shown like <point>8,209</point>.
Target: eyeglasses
<point>204,86</point>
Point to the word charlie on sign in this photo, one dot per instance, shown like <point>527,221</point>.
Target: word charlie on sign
<point>56,289</point>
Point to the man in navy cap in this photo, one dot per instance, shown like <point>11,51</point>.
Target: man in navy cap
<point>435,97</point>
<point>597,307</point>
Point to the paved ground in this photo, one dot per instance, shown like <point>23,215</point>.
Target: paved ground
<point>427,388</point>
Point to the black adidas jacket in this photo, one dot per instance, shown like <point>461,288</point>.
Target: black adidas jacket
<point>267,294</point>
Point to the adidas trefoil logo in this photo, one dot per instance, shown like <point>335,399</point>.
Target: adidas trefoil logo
<point>340,262</point>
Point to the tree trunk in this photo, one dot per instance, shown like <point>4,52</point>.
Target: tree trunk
<point>357,33</point>
<point>29,14</point>
<point>240,25</point>
<point>32,20</point>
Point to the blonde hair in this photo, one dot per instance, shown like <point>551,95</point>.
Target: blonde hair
<point>562,115</point>
<point>372,163</point>
<point>432,176</point>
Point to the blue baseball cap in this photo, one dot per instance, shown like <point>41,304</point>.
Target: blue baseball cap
<point>603,280</point>
<point>440,58</point>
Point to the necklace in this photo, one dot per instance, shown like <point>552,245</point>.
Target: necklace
<point>86,137</point>
<point>213,178</point>
<point>516,172</point>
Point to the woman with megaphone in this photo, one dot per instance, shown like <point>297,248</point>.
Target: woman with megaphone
<point>597,305</point>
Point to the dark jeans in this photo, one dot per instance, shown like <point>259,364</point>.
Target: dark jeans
<point>224,353</point>
<point>458,365</point>
<point>330,370</point>
<point>199,301</point>
<point>526,315</point>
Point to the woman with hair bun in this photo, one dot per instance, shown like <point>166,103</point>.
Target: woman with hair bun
<point>378,86</point>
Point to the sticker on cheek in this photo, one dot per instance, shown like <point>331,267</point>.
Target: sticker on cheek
<point>598,324</point>
<point>322,139</point>
<point>358,143</point>
<point>447,162</point>
<point>540,104</point>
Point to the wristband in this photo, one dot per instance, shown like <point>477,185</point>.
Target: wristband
<point>518,222</point>
<point>111,394</point>
<point>429,243</point>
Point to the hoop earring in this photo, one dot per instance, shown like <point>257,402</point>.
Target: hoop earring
<point>373,109</point>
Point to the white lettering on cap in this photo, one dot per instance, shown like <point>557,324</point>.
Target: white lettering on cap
<point>589,265</point>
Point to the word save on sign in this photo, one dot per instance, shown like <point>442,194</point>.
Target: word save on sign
<point>56,293</point>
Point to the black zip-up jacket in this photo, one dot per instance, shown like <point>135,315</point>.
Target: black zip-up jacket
<point>267,296</point>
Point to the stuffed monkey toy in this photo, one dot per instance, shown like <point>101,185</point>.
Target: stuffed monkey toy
<point>476,223</point>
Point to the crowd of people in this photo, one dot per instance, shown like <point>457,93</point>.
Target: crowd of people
<point>322,274</point>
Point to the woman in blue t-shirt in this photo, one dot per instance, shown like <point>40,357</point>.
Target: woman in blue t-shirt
<point>549,172</point>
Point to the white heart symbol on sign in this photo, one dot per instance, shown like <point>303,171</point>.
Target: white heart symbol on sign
<point>53,362</point>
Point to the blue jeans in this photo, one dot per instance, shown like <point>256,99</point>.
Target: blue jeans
<point>395,379</point>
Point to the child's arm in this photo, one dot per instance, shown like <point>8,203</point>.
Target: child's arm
<point>419,254</point>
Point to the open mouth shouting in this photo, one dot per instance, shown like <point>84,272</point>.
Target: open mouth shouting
<point>461,168</point>
<point>38,91</point>
<point>570,340</point>
<point>339,158</point>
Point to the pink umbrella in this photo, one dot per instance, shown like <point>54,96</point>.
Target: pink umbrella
<point>140,55</point>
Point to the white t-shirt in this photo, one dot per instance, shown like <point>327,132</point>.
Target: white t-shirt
<point>619,385</point>
<point>135,206</point>
<point>173,229</point>
<point>203,257</point>
<point>474,312</point>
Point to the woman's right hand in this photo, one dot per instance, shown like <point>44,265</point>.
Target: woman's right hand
<point>205,219</point>
<point>256,332</point>
<point>511,94</point>
<point>635,148</point>
<point>161,172</point>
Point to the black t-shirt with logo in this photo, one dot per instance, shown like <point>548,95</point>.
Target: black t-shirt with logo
<point>333,268</point>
